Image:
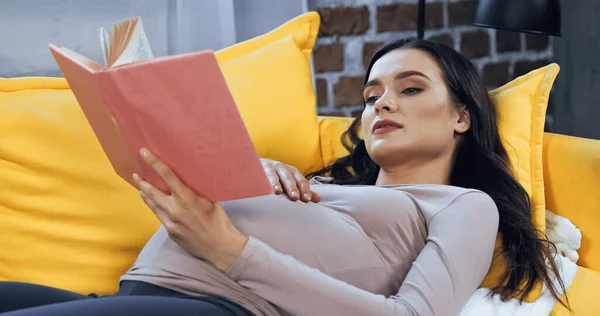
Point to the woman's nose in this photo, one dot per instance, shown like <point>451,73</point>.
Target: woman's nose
<point>385,104</point>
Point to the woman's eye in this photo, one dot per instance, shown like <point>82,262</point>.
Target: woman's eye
<point>371,100</point>
<point>411,91</point>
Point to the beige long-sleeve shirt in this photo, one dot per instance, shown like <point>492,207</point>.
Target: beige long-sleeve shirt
<point>363,250</point>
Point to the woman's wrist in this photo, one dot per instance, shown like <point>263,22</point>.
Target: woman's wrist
<point>227,255</point>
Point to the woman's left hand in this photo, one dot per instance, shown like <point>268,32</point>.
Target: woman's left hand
<point>199,226</point>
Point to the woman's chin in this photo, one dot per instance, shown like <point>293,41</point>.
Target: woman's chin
<point>383,149</point>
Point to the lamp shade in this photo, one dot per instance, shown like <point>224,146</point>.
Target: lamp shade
<point>531,16</point>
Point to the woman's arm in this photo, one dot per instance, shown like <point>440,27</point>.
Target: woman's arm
<point>448,270</point>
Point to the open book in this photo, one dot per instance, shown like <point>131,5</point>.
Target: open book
<point>179,107</point>
<point>126,43</point>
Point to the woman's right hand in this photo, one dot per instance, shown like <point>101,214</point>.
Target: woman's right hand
<point>289,180</point>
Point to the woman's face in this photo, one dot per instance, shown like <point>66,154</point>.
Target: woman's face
<point>409,114</point>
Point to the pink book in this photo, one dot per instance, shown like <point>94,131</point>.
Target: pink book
<point>179,107</point>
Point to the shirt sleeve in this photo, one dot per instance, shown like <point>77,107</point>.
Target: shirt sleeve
<point>447,271</point>
<point>317,180</point>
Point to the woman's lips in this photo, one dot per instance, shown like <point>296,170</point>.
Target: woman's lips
<point>385,126</point>
<point>385,129</point>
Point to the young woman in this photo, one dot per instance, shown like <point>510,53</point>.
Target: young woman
<point>403,225</point>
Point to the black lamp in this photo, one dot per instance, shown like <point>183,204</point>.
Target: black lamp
<point>421,19</point>
<point>529,16</point>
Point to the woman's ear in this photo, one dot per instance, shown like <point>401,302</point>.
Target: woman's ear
<point>463,122</point>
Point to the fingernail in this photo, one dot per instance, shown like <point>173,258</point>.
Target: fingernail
<point>276,187</point>
<point>144,152</point>
<point>307,196</point>
<point>136,177</point>
<point>144,185</point>
<point>294,193</point>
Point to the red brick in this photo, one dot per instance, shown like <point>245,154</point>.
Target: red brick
<point>475,44</point>
<point>368,51</point>
<point>329,57</point>
<point>344,20</point>
<point>507,41</point>
<point>336,113</point>
<point>462,12</point>
<point>536,42</point>
<point>445,39</point>
<point>496,74</point>
<point>403,17</point>
<point>322,98</point>
<point>348,91</point>
<point>356,113</point>
<point>524,67</point>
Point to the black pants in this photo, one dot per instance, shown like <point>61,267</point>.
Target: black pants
<point>133,298</point>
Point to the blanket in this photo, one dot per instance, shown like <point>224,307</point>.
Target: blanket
<point>567,239</point>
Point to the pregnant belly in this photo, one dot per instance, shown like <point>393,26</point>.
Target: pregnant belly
<point>313,233</point>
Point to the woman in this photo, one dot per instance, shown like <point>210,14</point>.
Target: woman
<point>403,225</point>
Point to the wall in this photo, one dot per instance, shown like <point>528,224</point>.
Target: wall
<point>172,27</point>
<point>256,17</point>
<point>27,26</point>
<point>352,28</point>
<point>576,99</point>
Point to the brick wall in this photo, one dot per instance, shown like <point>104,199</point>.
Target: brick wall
<point>351,29</point>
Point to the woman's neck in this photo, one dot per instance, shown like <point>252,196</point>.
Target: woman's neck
<point>418,172</point>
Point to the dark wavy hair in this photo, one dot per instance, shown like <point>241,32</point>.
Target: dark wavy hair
<point>481,163</point>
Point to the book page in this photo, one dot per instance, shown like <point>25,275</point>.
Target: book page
<point>105,44</point>
<point>126,43</point>
<point>88,64</point>
<point>136,46</point>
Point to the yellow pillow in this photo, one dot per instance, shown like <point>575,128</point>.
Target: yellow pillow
<point>67,220</point>
<point>521,106</point>
<point>271,81</point>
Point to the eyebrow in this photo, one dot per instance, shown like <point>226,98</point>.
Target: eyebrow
<point>402,75</point>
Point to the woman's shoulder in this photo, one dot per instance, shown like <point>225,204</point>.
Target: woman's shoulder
<point>435,198</point>
<point>425,192</point>
<point>429,198</point>
<point>467,204</point>
<point>430,191</point>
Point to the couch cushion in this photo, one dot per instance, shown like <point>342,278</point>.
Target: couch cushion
<point>582,295</point>
<point>271,81</point>
<point>67,220</point>
<point>521,106</point>
<point>572,184</point>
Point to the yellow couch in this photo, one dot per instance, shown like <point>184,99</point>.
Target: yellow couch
<point>67,220</point>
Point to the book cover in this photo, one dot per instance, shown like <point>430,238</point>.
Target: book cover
<point>179,107</point>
